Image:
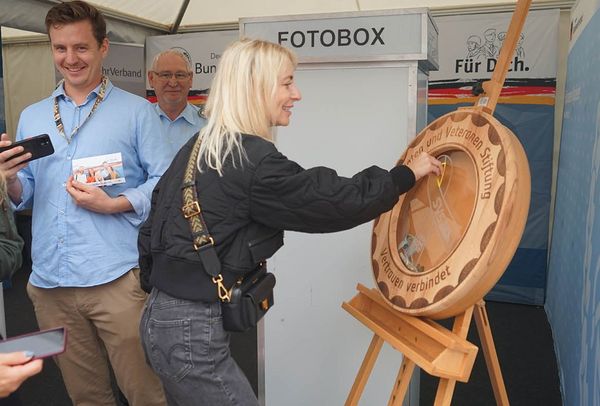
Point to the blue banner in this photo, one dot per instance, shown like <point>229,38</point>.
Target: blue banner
<point>573,303</point>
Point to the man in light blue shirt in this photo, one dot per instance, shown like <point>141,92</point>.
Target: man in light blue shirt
<point>84,247</point>
<point>171,78</point>
<point>69,221</point>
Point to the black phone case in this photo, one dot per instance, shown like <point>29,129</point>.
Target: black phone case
<point>39,147</point>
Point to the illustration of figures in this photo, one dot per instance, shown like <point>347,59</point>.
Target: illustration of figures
<point>589,357</point>
<point>490,50</point>
<point>474,50</point>
<point>501,36</point>
<point>520,52</point>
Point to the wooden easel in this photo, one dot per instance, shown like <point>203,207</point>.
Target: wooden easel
<point>440,352</point>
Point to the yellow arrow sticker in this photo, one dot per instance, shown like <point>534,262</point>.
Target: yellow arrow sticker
<point>440,177</point>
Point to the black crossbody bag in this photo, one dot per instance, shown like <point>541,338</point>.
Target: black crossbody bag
<point>249,299</point>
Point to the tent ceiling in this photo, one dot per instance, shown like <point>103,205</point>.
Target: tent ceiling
<point>133,20</point>
<point>200,12</point>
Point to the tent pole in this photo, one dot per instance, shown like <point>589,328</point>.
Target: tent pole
<point>182,11</point>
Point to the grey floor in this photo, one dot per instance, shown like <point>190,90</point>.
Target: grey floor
<point>523,341</point>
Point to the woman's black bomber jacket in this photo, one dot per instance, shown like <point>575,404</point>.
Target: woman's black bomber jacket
<point>246,211</point>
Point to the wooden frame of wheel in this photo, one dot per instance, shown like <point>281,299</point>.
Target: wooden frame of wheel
<point>450,238</point>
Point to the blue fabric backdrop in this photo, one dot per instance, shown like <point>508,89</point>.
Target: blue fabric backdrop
<point>573,294</point>
<point>525,278</point>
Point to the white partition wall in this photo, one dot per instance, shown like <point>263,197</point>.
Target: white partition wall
<point>363,78</point>
<point>347,125</point>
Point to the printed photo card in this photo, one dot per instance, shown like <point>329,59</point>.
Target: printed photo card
<point>100,170</point>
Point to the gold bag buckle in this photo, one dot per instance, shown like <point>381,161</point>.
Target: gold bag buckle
<point>191,209</point>
<point>222,291</point>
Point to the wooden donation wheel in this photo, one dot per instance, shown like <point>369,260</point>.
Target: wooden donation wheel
<point>449,239</point>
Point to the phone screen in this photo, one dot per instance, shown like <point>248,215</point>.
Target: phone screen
<point>42,344</point>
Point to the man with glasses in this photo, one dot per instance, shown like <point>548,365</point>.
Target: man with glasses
<point>171,79</point>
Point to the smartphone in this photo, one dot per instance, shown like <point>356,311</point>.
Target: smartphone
<point>39,147</point>
<point>41,343</point>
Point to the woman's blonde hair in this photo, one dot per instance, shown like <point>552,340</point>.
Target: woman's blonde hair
<point>240,99</point>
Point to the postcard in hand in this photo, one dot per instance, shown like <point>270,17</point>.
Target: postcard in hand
<point>100,170</point>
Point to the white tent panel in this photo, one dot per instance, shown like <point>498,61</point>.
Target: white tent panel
<point>29,71</point>
<point>30,15</point>
<point>203,12</point>
<point>385,4</point>
<point>15,33</point>
<point>11,35</point>
<point>159,12</point>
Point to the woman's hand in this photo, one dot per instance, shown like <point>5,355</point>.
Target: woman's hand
<point>424,164</point>
<point>15,367</point>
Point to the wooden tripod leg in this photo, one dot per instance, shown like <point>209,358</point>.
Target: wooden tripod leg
<point>402,382</point>
<point>364,371</point>
<point>490,355</point>
<point>445,389</point>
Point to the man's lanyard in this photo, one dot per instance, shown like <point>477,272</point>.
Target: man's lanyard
<point>58,121</point>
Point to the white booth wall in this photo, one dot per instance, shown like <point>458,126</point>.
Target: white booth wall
<point>348,122</point>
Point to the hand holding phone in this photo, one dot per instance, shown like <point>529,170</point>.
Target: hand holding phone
<point>15,367</point>
<point>16,362</point>
<point>38,146</point>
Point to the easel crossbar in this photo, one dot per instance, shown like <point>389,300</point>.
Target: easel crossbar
<point>440,352</point>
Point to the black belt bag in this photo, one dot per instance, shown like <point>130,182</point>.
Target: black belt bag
<point>249,300</point>
<point>252,296</point>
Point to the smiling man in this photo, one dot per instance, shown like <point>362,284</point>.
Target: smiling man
<point>171,79</point>
<point>85,274</point>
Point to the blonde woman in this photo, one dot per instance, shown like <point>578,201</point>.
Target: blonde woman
<point>17,366</point>
<point>249,193</point>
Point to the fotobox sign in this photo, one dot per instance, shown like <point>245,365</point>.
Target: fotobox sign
<point>349,37</point>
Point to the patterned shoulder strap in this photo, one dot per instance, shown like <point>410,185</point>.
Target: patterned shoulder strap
<point>202,241</point>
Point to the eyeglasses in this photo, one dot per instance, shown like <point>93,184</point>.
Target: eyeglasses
<point>180,76</point>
